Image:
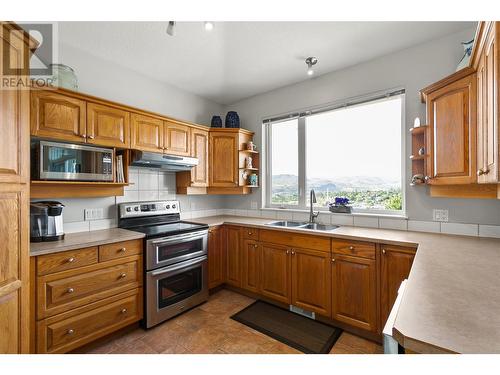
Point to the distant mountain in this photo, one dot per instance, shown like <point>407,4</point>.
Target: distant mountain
<point>287,182</point>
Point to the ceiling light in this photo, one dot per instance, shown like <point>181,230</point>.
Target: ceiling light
<point>209,26</point>
<point>311,61</point>
<point>171,28</point>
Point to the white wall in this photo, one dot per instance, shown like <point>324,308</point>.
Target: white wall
<point>107,80</point>
<point>412,69</point>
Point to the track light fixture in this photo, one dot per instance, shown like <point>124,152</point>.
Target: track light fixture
<point>310,62</point>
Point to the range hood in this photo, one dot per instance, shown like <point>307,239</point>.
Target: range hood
<point>162,161</point>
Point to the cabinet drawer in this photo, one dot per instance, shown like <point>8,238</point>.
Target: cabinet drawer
<point>47,264</point>
<point>250,233</point>
<point>354,248</point>
<point>71,330</point>
<point>120,250</point>
<point>66,290</point>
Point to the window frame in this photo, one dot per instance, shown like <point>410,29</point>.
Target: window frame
<point>302,169</point>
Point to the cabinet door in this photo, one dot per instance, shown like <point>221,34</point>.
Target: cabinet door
<point>215,257</point>
<point>58,116</point>
<point>108,126</point>
<point>311,280</point>
<point>451,113</point>
<point>177,139</point>
<point>223,159</point>
<point>275,272</point>
<point>395,267</point>
<point>250,265</point>
<point>199,149</point>
<point>14,249</point>
<point>487,117</point>
<point>233,263</point>
<point>354,291</point>
<point>146,133</point>
<point>14,118</point>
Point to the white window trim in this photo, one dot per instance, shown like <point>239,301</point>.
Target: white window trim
<point>267,155</point>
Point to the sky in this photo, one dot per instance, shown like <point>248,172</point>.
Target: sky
<point>362,140</point>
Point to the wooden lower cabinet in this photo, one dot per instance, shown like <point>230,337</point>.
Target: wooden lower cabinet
<point>311,280</point>
<point>84,294</point>
<point>250,266</point>
<point>354,291</point>
<point>395,265</point>
<point>216,258</point>
<point>233,256</point>
<point>275,272</point>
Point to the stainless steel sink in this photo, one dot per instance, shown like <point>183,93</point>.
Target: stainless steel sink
<point>287,224</point>
<point>317,226</point>
<point>303,225</point>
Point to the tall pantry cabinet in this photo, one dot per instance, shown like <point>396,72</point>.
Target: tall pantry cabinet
<point>14,194</point>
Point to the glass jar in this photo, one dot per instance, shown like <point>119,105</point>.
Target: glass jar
<point>64,76</point>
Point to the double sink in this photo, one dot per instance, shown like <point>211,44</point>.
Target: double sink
<point>303,225</point>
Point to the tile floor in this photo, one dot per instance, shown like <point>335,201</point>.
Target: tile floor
<point>209,329</point>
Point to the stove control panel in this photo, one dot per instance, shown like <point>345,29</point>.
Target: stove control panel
<point>138,209</point>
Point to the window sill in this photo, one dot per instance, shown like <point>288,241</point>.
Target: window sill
<point>322,212</point>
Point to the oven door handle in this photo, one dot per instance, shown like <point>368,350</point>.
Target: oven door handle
<point>180,237</point>
<point>179,266</point>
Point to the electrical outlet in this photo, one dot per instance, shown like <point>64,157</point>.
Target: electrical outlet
<point>98,213</point>
<point>93,213</point>
<point>89,214</point>
<point>440,215</point>
<point>253,205</point>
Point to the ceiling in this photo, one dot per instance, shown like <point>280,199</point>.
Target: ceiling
<point>237,60</point>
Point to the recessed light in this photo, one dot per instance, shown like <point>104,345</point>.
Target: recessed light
<point>209,26</point>
<point>310,62</point>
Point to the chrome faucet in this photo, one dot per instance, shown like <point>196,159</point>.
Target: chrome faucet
<point>312,215</point>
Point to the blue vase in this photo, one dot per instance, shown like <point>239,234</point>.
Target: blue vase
<point>216,122</point>
<point>232,120</point>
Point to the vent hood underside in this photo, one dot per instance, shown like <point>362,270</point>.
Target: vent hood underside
<point>162,161</point>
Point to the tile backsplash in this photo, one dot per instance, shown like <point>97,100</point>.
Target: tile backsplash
<point>145,185</point>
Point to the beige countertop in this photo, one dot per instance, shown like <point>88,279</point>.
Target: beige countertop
<point>452,298</point>
<point>80,240</point>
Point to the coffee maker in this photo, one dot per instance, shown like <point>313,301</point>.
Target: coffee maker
<point>46,221</point>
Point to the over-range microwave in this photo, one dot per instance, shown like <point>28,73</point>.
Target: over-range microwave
<point>74,162</point>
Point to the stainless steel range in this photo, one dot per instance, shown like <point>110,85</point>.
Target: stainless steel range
<point>175,261</point>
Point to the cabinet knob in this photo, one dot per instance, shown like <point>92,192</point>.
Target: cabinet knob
<point>124,311</point>
<point>70,290</point>
<point>210,231</point>
<point>70,331</point>
<point>84,136</point>
<point>427,178</point>
<point>123,249</point>
<point>255,246</point>
<point>250,233</point>
<point>123,275</point>
<point>71,260</point>
<point>351,248</point>
<point>383,251</point>
<point>91,137</point>
<point>288,252</point>
<point>333,259</point>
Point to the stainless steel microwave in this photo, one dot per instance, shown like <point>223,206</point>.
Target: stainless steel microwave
<point>64,161</point>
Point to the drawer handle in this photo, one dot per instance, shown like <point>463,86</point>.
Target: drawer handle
<point>123,249</point>
<point>70,331</point>
<point>124,311</point>
<point>351,248</point>
<point>123,275</point>
<point>293,252</point>
<point>250,233</point>
<point>70,290</point>
<point>71,260</point>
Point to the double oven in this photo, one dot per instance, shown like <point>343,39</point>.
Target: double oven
<point>175,260</point>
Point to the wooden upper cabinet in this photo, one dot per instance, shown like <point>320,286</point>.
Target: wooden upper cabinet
<point>199,149</point>
<point>14,118</point>
<point>487,110</point>
<point>108,126</point>
<point>233,256</point>
<point>146,133</point>
<point>451,116</point>
<point>275,272</point>
<point>354,291</point>
<point>311,280</point>
<point>177,138</point>
<point>224,159</point>
<point>250,266</point>
<point>216,258</point>
<point>395,267</point>
<point>58,116</point>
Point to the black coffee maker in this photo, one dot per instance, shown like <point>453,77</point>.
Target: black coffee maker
<point>46,221</point>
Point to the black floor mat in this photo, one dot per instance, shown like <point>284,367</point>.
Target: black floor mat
<point>304,334</point>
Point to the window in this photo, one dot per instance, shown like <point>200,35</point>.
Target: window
<point>352,151</point>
